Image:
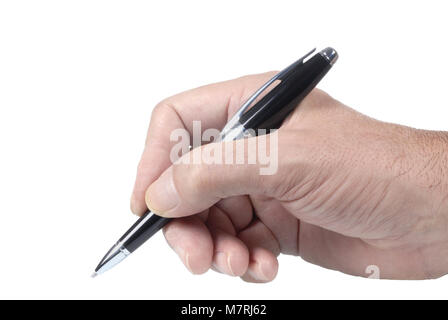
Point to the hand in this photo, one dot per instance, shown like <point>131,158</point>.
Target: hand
<point>350,192</point>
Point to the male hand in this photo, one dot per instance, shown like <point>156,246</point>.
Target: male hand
<point>350,191</point>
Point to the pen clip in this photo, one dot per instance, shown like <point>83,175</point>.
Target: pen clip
<point>279,76</point>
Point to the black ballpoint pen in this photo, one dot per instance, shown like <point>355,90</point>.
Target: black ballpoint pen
<point>288,89</point>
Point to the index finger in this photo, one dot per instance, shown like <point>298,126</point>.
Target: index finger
<point>212,105</point>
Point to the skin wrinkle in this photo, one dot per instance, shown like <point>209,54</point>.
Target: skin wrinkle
<point>279,248</point>
<point>272,235</point>
<point>362,204</point>
<point>435,158</point>
<point>365,216</point>
<point>419,152</point>
<point>176,112</point>
<point>229,104</point>
<point>384,221</point>
<point>176,182</point>
<point>306,198</point>
<point>429,165</point>
<point>237,227</point>
<point>293,192</point>
<point>328,243</point>
<point>277,243</point>
<point>398,162</point>
<point>354,196</point>
<point>426,269</point>
<point>385,242</point>
<point>432,183</point>
<point>230,111</point>
<point>318,204</point>
<point>444,162</point>
<point>280,240</point>
<point>222,216</point>
<point>370,215</point>
<point>298,238</point>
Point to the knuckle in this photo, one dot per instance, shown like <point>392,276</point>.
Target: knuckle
<point>190,180</point>
<point>161,115</point>
<point>198,180</point>
<point>160,109</point>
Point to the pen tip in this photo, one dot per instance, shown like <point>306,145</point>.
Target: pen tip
<point>94,275</point>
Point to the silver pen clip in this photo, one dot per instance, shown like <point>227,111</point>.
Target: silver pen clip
<point>234,121</point>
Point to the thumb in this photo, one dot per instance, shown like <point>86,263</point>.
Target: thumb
<point>213,172</point>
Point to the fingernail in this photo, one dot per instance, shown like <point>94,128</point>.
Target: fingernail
<point>223,259</point>
<point>256,271</point>
<point>162,195</point>
<point>133,203</point>
<point>187,262</point>
<point>138,207</point>
<point>170,236</point>
<point>184,256</point>
<point>134,206</point>
<point>229,264</point>
<point>268,271</point>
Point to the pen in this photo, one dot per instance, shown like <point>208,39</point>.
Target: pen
<point>286,90</point>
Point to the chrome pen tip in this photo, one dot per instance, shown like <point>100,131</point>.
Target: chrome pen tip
<point>330,55</point>
<point>94,275</point>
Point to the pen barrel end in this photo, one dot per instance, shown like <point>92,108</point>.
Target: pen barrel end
<point>330,55</point>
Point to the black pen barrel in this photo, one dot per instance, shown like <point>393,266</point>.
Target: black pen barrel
<point>143,229</point>
<point>271,110</point>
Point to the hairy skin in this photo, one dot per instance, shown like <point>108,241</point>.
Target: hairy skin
<point>350,191</point>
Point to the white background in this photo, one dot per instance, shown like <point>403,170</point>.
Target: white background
<point>78,81</point>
